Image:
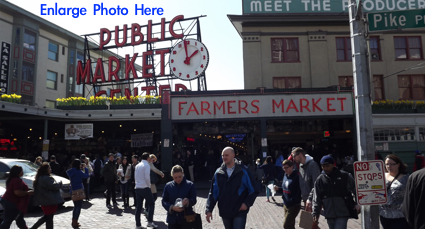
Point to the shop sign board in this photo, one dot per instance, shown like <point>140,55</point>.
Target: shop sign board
<point>4,66</point>
<point>370,182</point>
<point>393,20</point>
<point>256,106</point>
<point>325,6</point>
<point>78,131</point>
<point>141,140</point>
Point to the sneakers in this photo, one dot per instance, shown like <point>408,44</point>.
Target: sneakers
<point>151,224</point>
<point>139,227</point>
<point>273,199</point>
<point>116,204</point>
<point>145,212</point>
<point>108,206</point>
<point>267,200</point>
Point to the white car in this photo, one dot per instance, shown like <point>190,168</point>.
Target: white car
<point>2,191</point>
<point>30,169</point>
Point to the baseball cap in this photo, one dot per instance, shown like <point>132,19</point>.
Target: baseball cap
<point>327,160</point>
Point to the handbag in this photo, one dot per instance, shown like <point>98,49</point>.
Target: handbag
<point>192,221</point>
<point>78,195</point>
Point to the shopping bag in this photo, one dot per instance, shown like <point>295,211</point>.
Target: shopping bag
<point>306,220</point>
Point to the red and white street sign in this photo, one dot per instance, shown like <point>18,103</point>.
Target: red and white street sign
<point>370,182</point>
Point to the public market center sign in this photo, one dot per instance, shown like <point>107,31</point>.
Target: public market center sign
<point>256,106</point>
<point>325,6</point>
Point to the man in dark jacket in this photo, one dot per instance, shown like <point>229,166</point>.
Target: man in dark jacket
<point>331,190</point>
<point>233,188</point>
<point>109,174</point>
<point>56,168</point>
<point>414,200</point>
<point>291,194</point>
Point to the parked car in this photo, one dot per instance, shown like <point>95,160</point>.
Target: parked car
<point>2,191</point>
<point>30,170</point>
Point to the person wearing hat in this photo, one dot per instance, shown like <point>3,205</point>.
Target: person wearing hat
<point>334,190</point>
<point>419,161</point>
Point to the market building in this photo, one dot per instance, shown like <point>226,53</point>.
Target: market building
<point>297,89</point>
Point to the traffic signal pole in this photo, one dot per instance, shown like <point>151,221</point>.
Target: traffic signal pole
<point>362,98</point>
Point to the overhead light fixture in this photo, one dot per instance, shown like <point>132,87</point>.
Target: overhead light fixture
<point>15,139</point>
<point>28,137</point>
<point>120,125</point>
<point>348,131</point>
<point>206,122</point>
<point>56,133</point>
<point>103,131</point>
<point>286,132</point>
<point>39,138</point>
<point>11,135</point>
<point>30,129</point>
<point>153,132</point>
<point>134,130</point>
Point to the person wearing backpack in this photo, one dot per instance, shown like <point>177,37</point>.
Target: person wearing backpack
<point>334,190</point>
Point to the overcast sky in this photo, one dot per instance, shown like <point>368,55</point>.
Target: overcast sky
<point>225,69</point>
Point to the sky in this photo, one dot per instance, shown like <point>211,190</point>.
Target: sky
<point>225,69</point>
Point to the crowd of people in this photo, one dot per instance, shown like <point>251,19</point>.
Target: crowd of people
<point>330,193</point>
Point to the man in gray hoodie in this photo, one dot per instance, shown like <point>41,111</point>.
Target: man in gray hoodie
<point>309,171</point>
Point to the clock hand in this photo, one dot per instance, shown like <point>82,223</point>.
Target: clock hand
<point>187,61</point>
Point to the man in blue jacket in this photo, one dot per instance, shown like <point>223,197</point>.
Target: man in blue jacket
<point>233,187</point>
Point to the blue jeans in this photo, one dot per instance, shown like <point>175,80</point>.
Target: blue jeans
<point>337,223</point>
<point>146,194</point>
<point>235,223</point>
<point>12,213</point>
<point>124,188</point>
<point>268,190</point>
<point>77,209</point>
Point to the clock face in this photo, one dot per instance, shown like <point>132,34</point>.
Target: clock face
<point>188,59</point>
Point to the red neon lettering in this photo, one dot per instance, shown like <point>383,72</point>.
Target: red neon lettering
<point>205,109</point>
<point>127,93</point>
<point>99,72</point>
<point>124,36</point>
<point>162,53</point>
<point>103,92</point>
<point>135,31</point>
<point>302,106</point>
<point>102,40</point>
<point>329,104</point>
<point>171,27</point>
<point>162,87</point>
<point>150,39</point>
<point>111,72</point>
<point>219,107</point>
<point>230,107</point>
<point>148,89</point>
<point>180,107</point>
<point>292,106</point>
<point>146,66</point>
<point>254,105</point>
<point>179,86</point>
<point>163,29</point>
<point>342,103</point>
<point>83,75</point>
<point>315,105</point>
<point>194,109</point>
<point>115,91</point>
<point>244,107</point>
<point>130,66</point>
<point>281,103</point>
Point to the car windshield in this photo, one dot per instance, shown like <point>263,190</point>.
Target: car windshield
<point>29,168</point>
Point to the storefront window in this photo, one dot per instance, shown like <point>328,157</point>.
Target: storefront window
<point>394,134</point>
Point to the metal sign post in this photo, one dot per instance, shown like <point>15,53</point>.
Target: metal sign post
<point>364,127</point>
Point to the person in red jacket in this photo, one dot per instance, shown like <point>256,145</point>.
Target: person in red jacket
<point>419,161</point>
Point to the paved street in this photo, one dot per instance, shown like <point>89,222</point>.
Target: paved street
<point>95,215</point>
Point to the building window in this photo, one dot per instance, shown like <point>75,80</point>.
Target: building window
<point>53,51</point>
<point>411,87</point>
<point>375,48</point>
<point>50,104</point>
<point>378,87</point>
<point>345,81</point>
<point>408,48</point>
<point>343,49</point>
<point>286,82</point>
<point>27,72</point>
<point>285,50</point>
<point>51,80</point>
<point>29,39</point>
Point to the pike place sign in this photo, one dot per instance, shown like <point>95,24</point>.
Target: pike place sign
<point>393,20</point>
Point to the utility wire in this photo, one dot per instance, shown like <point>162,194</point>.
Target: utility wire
<point>406,69</point>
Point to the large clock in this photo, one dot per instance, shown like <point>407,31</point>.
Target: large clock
<point>188,59</point>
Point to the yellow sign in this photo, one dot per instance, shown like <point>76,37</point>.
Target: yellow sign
<point>376,186</point>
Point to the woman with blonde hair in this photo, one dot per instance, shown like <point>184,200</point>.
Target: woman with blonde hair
<point>38,161</point>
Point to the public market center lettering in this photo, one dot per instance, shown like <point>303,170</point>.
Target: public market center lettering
<point>250,106</point>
